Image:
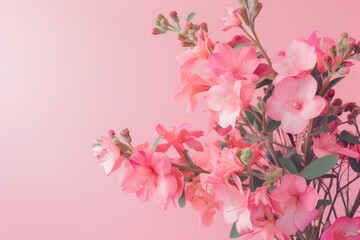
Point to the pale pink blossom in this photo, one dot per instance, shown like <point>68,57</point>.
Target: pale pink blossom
<point>233,20</point>
<point>190,86</point>
<point>241,62</point>
<point>266,231</point>
<point>107,153</point>
<point>229,97</point>
<point>148,174</point>
<point>299,60</point>
<point>294,103</point>
<point>297,202</point>
<point>235,205</point>
<point>191,57</point>
<point>344,228</point>
<point>180,135</point>
<point>326,144</point>
<point>202,199</point>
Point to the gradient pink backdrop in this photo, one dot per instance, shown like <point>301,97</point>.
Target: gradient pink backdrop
<point>71,69</point>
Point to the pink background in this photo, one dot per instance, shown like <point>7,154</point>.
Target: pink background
<point>71,69</point>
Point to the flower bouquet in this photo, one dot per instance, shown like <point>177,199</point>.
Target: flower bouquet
<point>286,156</point>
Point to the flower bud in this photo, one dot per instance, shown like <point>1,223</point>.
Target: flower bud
<point>348,107</point>
<point>156,31</point>
<point>351,119</point>
<point>247,154</point>
<point>182,37</point>
<point>330,94</point>
<point>351,44</point>
<point>204,26</point>
<point>333,52</point>
<point>111,133</point>
<point>344,70</point>
<point>337,102</point>
<point>273,176</point>
<point>187,44</point>
<point>327,62</point>
<point>125,134</point>
<point>189,25</point>
<point>357,48</point>
<point>174,16</point>
<point>355,111</point>
<point>164,22</point>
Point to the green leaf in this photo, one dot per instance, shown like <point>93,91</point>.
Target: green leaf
<point>319,167</point>
<point>272,125</point>
<point>182,200</point>
<point>259,54</point>
<point>223,145</point>
<point>348,137</point>
<point>234,232</point>
<point>332,84</point>
<point>323,202</point>
<point>190,17</point>
<point>249,138</point>
<point>250,116</point>
<point>263,83</point>
<point>288,165</point>
<point>354,164</point>
<point>156,143</point>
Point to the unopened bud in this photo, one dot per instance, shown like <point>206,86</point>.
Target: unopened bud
<point>333,52</point>
<point>156,31</point>
<point>330,94</point>
<point>357,57</point>
<point>327,62</point>
<point>204,26</point>
<point>125,134</point>
<point>355,111</point>
<point>111,133</point>
<point>348,107</point>
<point>273,176</point>
<point>247,154</point>
<point>337,102</point>
<point>160,16</point>
<point>344,70</point>
<point>192,34</point>
<point>164,22</point>
<point>344,35</point>
<point>189,25</point>
<point>351,119</point>
<point>350,44</point>
<point>174,16</point>
<point>187,44</point>
<point>357,48</point>
<point>182,37</point>
<point>244,16</point>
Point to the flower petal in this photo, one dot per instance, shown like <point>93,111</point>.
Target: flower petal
<point>293,122</point>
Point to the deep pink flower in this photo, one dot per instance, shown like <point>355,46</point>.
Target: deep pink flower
<point>240,62</point>
<point>233,20</point>
<point>235,205</point>
<point>299,59</point>
<point>344,228</point>
<point>297,202</point>
<point>326,144</point>
<point>182,134</point>
<point>229,97</point>
<point>190,85</point>
<point>148,174</point>
<point>294,103</point>
<point>107,153</point>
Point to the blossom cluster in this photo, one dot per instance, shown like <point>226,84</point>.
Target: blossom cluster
<point>276,170</point>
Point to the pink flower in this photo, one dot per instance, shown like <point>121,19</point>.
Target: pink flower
<point>202,199</point>
<point>299,59</point>
<point>180,135</point>
<point>233,20</point>
<point>226,164</point>
<point>294,103</point>
<point>107,153</point>
<point>343,228</point>
<point>190,85</point>
<point>235,205</point>
<point>229,97</point>
<point>240,62</point>
<point>297,202</point>
<point>322,48</point>
<point>191,57</point>
<point>326,144</point>
<point>266,231</point>
<point>148,174</point>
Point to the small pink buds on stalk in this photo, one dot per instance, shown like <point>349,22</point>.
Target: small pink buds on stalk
<point>125,134</point>
<point>174,16</point>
